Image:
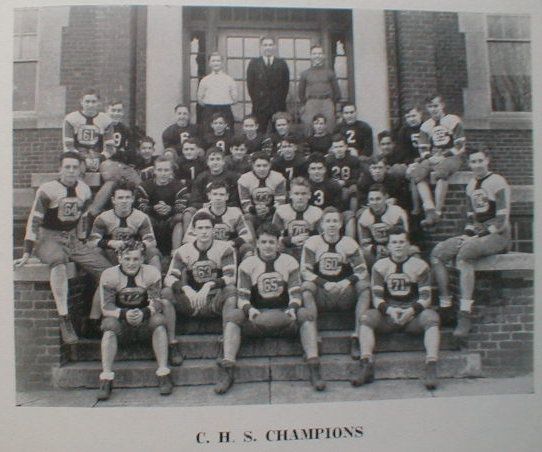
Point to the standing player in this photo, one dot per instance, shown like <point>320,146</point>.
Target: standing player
<point>334,272</point>
<point>131,304</point>
<point>487,233</point>
<point>164,200</point>
<point>298,220</point>
<point>269,303</point>
<point>401,289</point>
<point>358,134</point>
<point>175,134</point>
<point>261,191</point>
<point>441,144</point>
<point>51,232</point>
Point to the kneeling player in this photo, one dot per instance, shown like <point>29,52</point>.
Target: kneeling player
<point>202,274</point>
<point>334,272</point>
<point>131,305</point>
<point>401,286</point>
<point>269,304</point>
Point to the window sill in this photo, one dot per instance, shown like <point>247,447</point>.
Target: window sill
<point>501,120</point>
<point>25,120</point>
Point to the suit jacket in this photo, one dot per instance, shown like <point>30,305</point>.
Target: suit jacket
<point>268,87</point>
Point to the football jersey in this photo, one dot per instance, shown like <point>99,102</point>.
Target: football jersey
<point>121,291</point>
<point>327,193</point>
<point>254,145</point>
<point>230,225</point>
<point>198,197</point>
<point>109,226</point>
<point>407,143</point>
<point>145,168</point>
<point>290,168</point>
<point>174,135</point>
<point>174,194</point>
<point>222,142</point>
<point>267,191</point>
<point>238,166</point>
<point>293,222</point>
<point>441,136</point>
<point>490,201</point>
<point>195,267</point>
<point>320,145</point>
<point>401,283</point>
<point>272,142</point>
<point>188,170</point>
<point>358,135</point>
<point>56,207</point>
<point>322,261</point>
<point>375,227</point>
<point>86,132</point>
<point>346,169</point>
<point>272,284</point>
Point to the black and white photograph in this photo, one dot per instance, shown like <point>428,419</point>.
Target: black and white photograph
<point>221,206</point>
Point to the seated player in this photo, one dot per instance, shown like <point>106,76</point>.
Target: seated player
<point>441,144</point>
<point>253,138</point>
<point>375,222</point>
<point>88,131</point>
<point>334,273</point>
<point>216,171</point>
<point>229,221</point>
<point>289,162</point>
<point>202,275</point>
<point>220,135</point>
<point>320,139</point>
<point>281,122</point>
<point>401,291</point>
<point>175,134</point>
<point>188,163</point>
<point>51,232</point>
<point>297,219</point>
<point>164,199</point>
<point>239,161</point>
<point>131,306</point>
<point>145,157</point>
<point>261,191</point>
<point>358,134</point>
<point>487,233</point>
<point>269,304</point>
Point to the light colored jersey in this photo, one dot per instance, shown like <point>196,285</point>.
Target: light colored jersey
<point>84,132</point>
<point>374,228</point>
<point>295,223</point>
<point>438,136</point>
<point>268,191</point>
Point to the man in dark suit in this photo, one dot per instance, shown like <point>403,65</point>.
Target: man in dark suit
<point>268,80</point>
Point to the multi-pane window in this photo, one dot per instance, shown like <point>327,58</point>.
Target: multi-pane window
<point>197,70</point>
<point>509,51</point>
<point>25,56</point>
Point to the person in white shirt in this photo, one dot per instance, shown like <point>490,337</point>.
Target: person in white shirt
<point>217,92</point>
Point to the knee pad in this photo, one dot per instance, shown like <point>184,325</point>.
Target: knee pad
<point>309,286</point>
<point>370,318</point>
<point>429,319</point>
<point>112,325</point>
<point>229,291</point>
<point>234,316</point>
<point>306,315</point>
<point>418,173</point>
<point>157,320</point>
<point>167,293</point>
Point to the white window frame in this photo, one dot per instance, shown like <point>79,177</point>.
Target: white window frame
<point>478,112</point>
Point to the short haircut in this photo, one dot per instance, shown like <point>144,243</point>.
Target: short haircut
<point>260,155</point>
<point>378,187</point>
<point>474,150</point>
<point>146,139</point>
<point>317,46</point>
<point>123,184</point>
<point>290,138</point>
<point>384,134</point>
<point>338,137</point>
<point>212,54</point>
<point>115,102</point>
<point>316,157</point>
<point>70,155</point>
<point>237,140</point>
<point>349,104</point>
<point>213,150</point>
<point>432,97</point>
<point>331,209</point>
<point>269,229</point>
<point>218,115</point>
<point>377,158</point>
<point>398,230</point>
<point>300,181</point>
<point>189,141</point>
<point>281,115</point>
<point>266,38</point>
<point>251,117</point>
<point>412,106</point>
<point>215,185</point>
<point>319,116</point>
<point>131,245</point>
<point>89,92</point>
<point>201,216</point>
<point>181,105</point>
<point>163,158</point>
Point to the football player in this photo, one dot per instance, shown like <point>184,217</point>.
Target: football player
<point>220,134</point>
<point>401,292</point>
<point>289,162</point>
<point>239,161</point>
<point>175,134</point>
<point>253,138</point>
<point>358,134</point>
<point>320,140</point>
<point>269,303</point>
<point>334,272</point>
<point>189,164</point>
<point>486,233</point>
<point>131,305</point>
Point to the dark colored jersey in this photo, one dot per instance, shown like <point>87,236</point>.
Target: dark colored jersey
<point>174,194</point>
<point>320,145</point>
<point>145,168</point>
<point>238,166</point>
<point>290,168</point>
<point>358,135</point>
<point>327,193</point>
<point>188,170</point>
<point>198,196</point>
<point>407,143</point>
<point>346,169</point>
<point>222,142</point>
<point>272,284</point>
<point>254,145</point>
<point>175,135</point>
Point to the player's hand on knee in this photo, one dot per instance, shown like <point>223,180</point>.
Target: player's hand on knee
<point>394,314</point>
<point>157,305</point>
<point>405,316</point>
<point>291,313</point>
<point>253,313</point>
<point>21,261</point>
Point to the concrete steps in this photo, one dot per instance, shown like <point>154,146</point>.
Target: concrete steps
<point>394,365</point>
<point>208,346</point>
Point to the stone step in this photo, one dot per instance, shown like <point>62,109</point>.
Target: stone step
<point>208,346</point>
<point>404,365</point>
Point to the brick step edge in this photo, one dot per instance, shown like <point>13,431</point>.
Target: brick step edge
<point>134,374</point>
<point>210,346</point>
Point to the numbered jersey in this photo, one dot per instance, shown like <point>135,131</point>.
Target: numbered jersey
<point>269,285</point>
<point>121,291</point>
<point>320,145</point>
<point>195,267</point>
<point>222,142</point>
<point>295,223</point>
<point>109,226</point>
<point>489,199</point>
<point>442,135</point>
<point>175,135</point>
<point>188,170</point>
<point>255,191</point>
<point>358,135</point>
<point>289,168</point>
<point>374,228</point>
<point>401,284</point>
<point>346,169</point>
<point>327,193</point>
<point>123,143</point>
<point>407,142</point>
<point>85,132</point>
<point>57,207</point>
<point>332,261</point>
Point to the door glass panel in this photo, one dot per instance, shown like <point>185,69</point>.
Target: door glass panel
<point>300,66</point>
<point>240,90</point>
<point>252,47</point>
<point>286,48</point>
<point>302,48</point>
<point>234,47</point>
<point>235,69</point>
